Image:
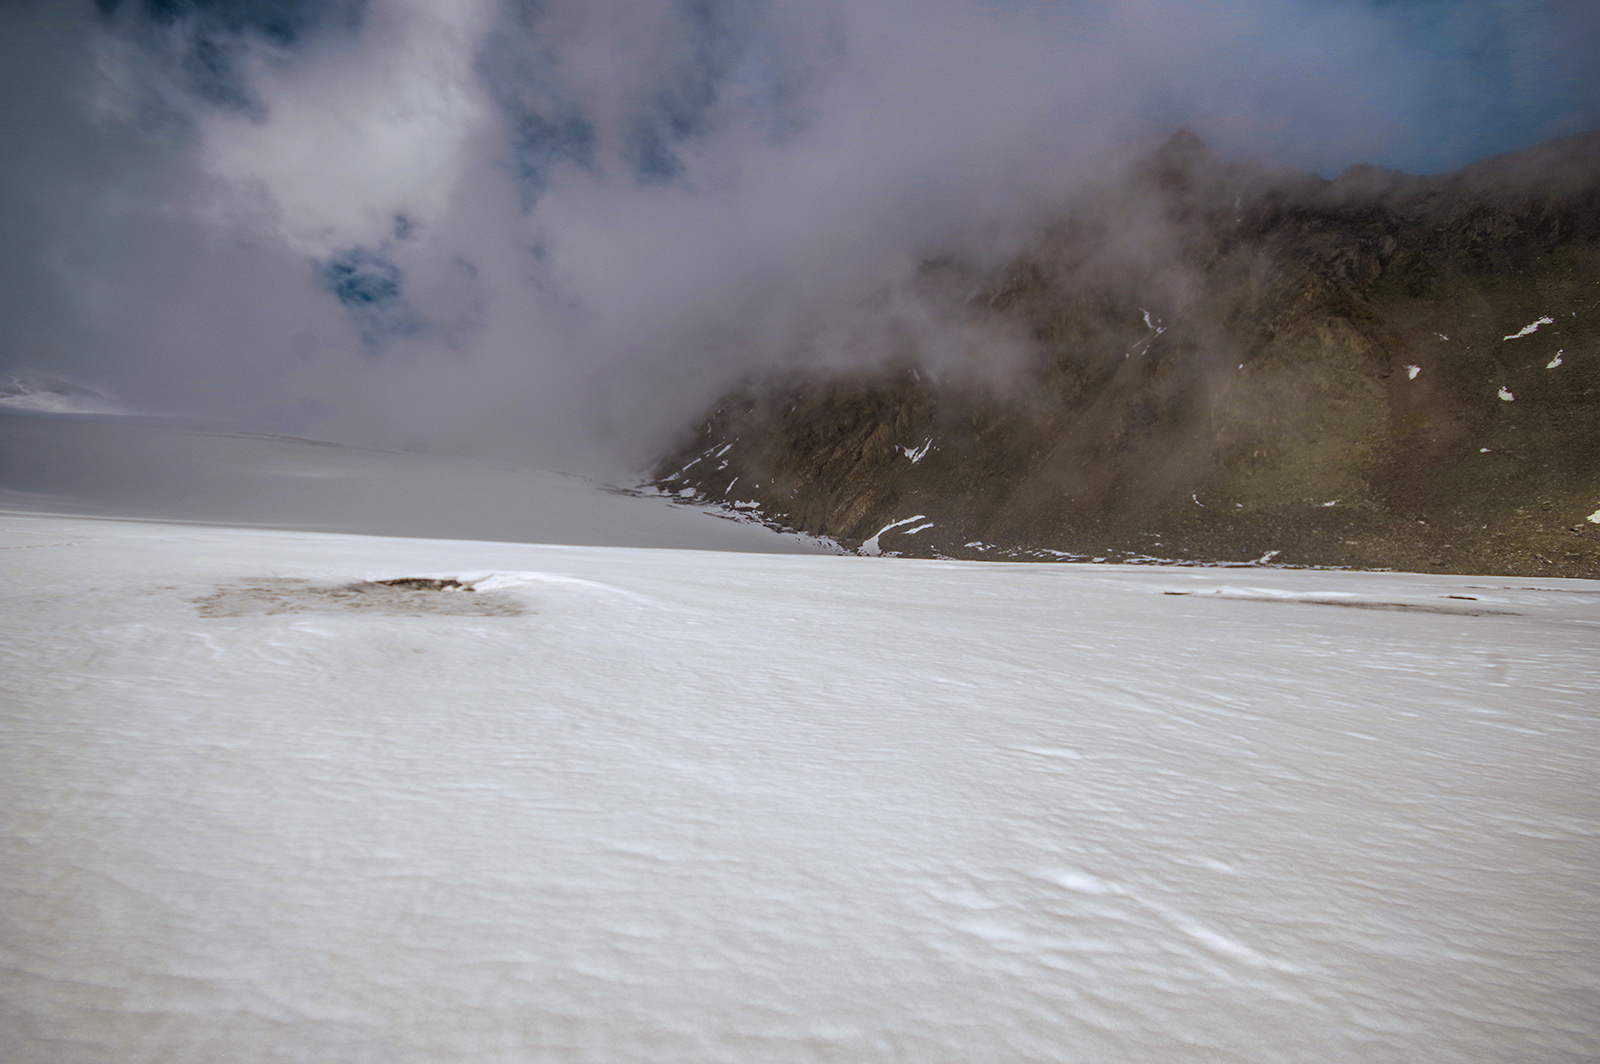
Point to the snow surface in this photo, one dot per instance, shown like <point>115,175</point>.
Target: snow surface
<point>168,472</point>
<point>46,395</point>
<point>705,806</point>
<point>607,801</point>
<point>916,454</point>
<point>1528,330</point>
<point>871,548</point>
<point>1155,331</point>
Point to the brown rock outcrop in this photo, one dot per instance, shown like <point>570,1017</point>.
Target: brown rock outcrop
<point>1227,363</point>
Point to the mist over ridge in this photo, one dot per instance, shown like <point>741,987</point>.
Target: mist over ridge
<point>554,231</point>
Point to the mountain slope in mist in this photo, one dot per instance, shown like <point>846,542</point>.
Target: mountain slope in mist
<point>1217,361</point>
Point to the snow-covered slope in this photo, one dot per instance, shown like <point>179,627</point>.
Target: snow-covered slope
<point>158,470</point>
<point>654,805</point>
<point>47,395</point>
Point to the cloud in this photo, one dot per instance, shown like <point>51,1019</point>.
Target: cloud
<point>552,229</point>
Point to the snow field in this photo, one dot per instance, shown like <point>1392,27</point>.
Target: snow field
<point>696,806</point>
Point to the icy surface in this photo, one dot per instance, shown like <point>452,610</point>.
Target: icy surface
<point>697,806</point>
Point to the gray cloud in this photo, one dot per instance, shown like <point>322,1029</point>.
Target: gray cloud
<point>551,230</point>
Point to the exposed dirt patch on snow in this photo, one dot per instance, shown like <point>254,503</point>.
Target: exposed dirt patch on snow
<point>1364,604</point>
<point>401,597</point>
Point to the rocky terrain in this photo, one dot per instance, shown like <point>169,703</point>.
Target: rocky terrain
<point>1217,362</point>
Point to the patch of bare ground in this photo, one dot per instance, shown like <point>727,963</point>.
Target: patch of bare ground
<point>400,597</point>
<point>1365,604</point>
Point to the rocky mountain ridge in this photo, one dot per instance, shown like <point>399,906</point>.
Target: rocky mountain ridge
<point>1223,363</point>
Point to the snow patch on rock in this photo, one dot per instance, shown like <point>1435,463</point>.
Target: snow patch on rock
<point>1528,330</point>
<point>871,548</point>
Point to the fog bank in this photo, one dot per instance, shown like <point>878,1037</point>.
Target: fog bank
<point>551,231</point>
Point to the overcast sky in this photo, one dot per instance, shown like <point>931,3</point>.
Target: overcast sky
<point>551,230</point>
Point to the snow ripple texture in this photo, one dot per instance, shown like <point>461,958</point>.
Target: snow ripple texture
<point>706,807</point>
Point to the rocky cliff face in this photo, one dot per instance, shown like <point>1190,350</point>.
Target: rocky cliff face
<point>1224,364</point>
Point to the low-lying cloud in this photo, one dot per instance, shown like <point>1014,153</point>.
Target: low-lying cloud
<point>552,229</point>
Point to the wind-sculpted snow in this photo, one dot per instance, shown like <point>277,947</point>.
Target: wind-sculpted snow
<point>695,806</point>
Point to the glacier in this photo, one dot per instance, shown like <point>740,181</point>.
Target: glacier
<point>736,805</point>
